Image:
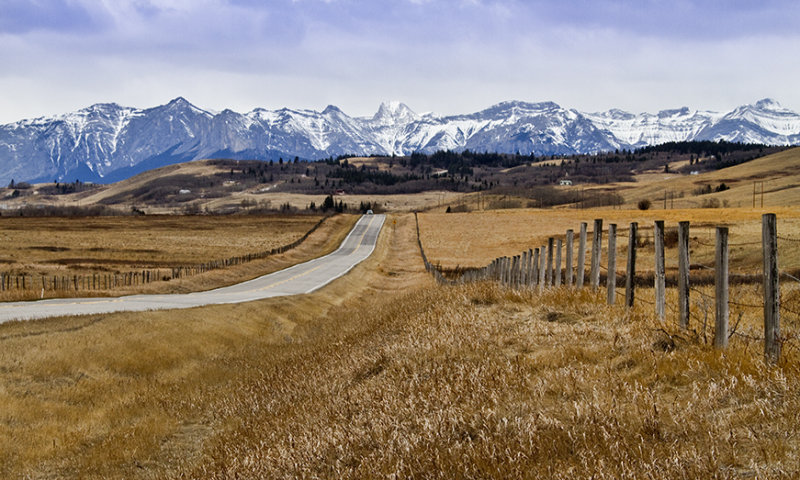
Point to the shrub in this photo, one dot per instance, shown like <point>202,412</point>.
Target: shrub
<point>644,204</point>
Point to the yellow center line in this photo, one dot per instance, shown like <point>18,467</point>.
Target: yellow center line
<point>267,287</point>
<point>287,280</point>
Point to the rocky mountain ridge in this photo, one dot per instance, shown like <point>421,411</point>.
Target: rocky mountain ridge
<point>109,142</point>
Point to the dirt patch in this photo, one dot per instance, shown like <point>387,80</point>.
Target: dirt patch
<point>561,317</point>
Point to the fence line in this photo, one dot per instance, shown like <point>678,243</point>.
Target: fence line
<point>535,268</point>
<point>109,281</point>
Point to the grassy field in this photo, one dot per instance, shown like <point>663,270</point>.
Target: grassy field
<point>777,174</point>
<point>474,239</point>
<point>385,374</point>
<point>85,246</point>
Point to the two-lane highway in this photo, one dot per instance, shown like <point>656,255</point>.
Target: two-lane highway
<point>298,279</point>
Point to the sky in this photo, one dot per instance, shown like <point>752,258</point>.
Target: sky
<point>442,56</point>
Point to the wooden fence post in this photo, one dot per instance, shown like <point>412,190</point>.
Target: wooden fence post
<point>542,267</point>
<point>683,274</point>
<point>528,268</point>
<point>721,269</point>
<point>611,279</point>
<point>514,270</point>
<point>535,267</point>
<point>630,277</point>
<point>660,279</point>
<point>549,274</point>
<point>559,246</point>
<point>772,291</point>
<point>581,256</point>
<point>570,241</point>
<point>523,272</point>
<point>597,237</point>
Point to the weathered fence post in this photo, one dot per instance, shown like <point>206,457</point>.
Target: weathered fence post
<point>611,279</point>
<point>528,268</point>
<point>721,269</point>
<point>630,277</point>
<point>683,274</point>
<point>597,237</point>
<point>535,267</point>
<point>581,256</point>
<point>660,278</point>
<point>514,270</point>
<point>542,267</point>
<point>559,245</point>
<point>549,275</point>
<point>568,272</point>
<point>772,291</point>
<point>523,272</point>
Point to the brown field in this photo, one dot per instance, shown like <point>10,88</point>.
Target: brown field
<point>84,246</point>
<point>474,239</point>
<point>778,172</point>
<point>385,374</point>
<point>386,203</point>
<point>228,198</point>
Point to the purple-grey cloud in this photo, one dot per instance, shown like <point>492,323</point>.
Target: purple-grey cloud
<point>24,16</point>
<point>444,55</point>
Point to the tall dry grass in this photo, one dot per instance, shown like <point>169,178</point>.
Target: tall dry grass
<point>384,374</point>
<point>479,382</point>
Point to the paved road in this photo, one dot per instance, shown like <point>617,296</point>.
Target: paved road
<point>298,279</point>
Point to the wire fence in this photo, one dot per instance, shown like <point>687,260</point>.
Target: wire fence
<point>519,271</point>
<point>20,281</point>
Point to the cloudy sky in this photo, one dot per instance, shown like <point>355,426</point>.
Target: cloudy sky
<point>446,56</point>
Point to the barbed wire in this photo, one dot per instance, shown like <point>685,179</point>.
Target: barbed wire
<point>713,244</point>
<point>787,239</point>
<point>790,276</point>
<point>642,299</point>
<point>787,309</point>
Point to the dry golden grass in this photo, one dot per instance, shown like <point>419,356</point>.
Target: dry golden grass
<point>83,246</point>
<point>474,239</point>
<point>779,173</point>
<point>479,382</point>
<point>388,203</point>
<point>138,394</point>
<point>384,374</point>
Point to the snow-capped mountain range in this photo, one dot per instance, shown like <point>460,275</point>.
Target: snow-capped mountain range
<point>109,142</point>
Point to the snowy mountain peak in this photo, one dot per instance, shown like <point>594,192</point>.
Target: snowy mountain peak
<point>676,112</point>
<point>109,142</point>
<point>181,104</point>
<point>394,112</point>
<point>769,104</point>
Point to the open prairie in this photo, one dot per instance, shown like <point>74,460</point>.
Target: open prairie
<point>86,246</point>
<point>476,238</point>
<point>385,373</point>
<point>777,176</point>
